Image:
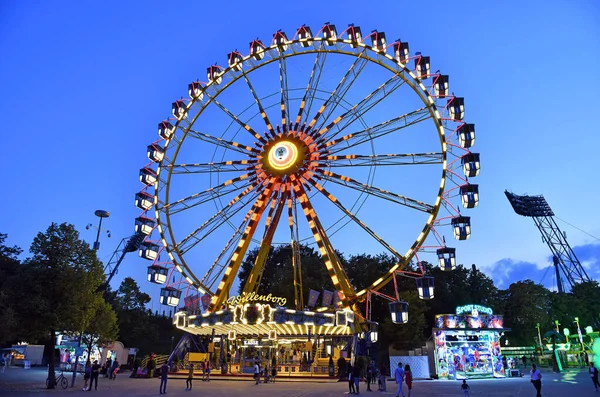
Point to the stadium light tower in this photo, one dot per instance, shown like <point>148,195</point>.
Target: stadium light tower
<point>567,266</point>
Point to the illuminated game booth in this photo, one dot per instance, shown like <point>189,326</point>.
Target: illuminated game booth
<point>467,344</point>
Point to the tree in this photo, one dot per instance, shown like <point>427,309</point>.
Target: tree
<point>588,296</point>
<point>62,278</point>
<point>130,297</point>
<point>527,304</point>
<point>9,266</point>
<point>103,328</point>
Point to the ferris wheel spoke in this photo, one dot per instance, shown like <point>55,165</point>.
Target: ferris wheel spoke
<point>275,210</point>
<point>207,195</point>
<point>311,87</point>
<point>358,160</point>
<point>200,168</point>
<point>362,107</point>
<point>334,268</point>
<point>295,245</point>
<point>338,204</point>
<point>261,108</point>
<point>240,252</point>
<point>283,88</point>
<point>340,91</point>
<point>217,220</point>
<point>387,127</point>
<point>375,191</point>
<point>235,146</point>
<point>217,268</point>
<point>242,124</point>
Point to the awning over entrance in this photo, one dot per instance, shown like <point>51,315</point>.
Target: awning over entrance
<point>259,319</point>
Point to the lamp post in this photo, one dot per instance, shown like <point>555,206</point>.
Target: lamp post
<point>100,214</point>
<point>540,338</point>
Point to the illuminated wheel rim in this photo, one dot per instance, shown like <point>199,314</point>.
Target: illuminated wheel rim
<point>287,157</point>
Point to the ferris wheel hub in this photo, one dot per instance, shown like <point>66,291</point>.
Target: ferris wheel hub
<point>284,155</point>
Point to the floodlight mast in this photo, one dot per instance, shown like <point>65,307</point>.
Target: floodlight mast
<point>565,260</point>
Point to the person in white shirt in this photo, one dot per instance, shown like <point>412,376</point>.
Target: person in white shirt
<point>256,372</point>
<point>399,375</point>
<point>536,379</point>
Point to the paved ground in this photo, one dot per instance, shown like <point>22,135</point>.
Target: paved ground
<point>18,382</point>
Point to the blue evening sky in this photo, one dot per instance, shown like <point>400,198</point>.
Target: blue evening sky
<point>85,83</point>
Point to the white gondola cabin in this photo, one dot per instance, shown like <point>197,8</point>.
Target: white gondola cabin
<point>165,130</point>
<point>169,296</point>
<point>144,225</point>
<point>280,39</point>
<point>234,61</point>
<point>344,317</point>
<point>399,312</point>
<point>196,90</point>
<point>471,164</point>
<point>456,107</point>
<point>466,135</point>
<point>354,35</point>
<point>149,250</point>
<point>144,201</point>
<point>147,176</point>
<point>304,35</point>
<point>469,195</point>
<point>401,51</point>
<point>422,67</point>
<point>440,86</point>
<point>155,152</point>
<point>214,74</point>
<point>179,109</point>
<point>378,41</point>
<point>425,287</point>
<point>462,227</point>
<point>329,34</point>
<point>257,50</point>
<point>157,274</point>
<point>446,258</point>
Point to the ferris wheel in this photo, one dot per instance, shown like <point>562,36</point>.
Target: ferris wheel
<point>297,142</point>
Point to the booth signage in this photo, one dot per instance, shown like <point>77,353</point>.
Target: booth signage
<point>251,342</point>
<point>473,310</point>
<point>254,297</point>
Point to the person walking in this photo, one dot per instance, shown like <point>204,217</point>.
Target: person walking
<point>536,379</point>
<point>114,369</point>
<point>356,377</point>
<point>382,382</point>
<point>408,378</point>
<point>94,374</point>
<point>256,373</point>
<point>273,373</point>
<point>465,388</point>
<point>5,359</point>
<point>208,365</point>
<point>188,381</point>
<point>164,375</point>
<point>351,389</point>
<point>594,375</point>
<point>108,366</point>
<point>204,365</point>
<point>399,375</point>
<point>370,371</point>
<point>87,372</point>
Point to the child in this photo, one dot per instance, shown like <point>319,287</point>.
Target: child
<point>465,388</point>
<point>273,374</point>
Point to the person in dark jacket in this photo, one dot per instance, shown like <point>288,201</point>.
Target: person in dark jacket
<point>351,388</point>
<point>164,374</point>
<point>94,375</point>
<point>356,377</point>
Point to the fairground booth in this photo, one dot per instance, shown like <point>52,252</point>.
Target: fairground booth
<point>467,344</point>
<point>260,328</point>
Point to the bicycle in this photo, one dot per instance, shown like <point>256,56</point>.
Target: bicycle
<point>64,383</point>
